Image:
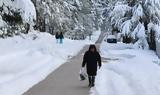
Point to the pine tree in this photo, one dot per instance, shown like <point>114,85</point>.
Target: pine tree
<point>135,19</point>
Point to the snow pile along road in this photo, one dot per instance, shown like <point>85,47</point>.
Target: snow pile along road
<point>28,59</point>
<point>135,73</point>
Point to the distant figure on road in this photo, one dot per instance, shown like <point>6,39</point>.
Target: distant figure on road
<point>57,37</point>
<point>61,37</point>
<point>92,60</point>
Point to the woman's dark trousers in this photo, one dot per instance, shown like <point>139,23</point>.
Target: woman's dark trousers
<point>91,81</point>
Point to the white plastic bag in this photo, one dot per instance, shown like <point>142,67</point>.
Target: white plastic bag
<point>82,74</point>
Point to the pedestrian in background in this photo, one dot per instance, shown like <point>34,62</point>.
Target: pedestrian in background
<point>61,37</point>
<point>57,37</point>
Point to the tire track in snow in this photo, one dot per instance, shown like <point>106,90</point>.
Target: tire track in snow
<point>124,81</point>
<point>119,79</point>
<point>125,77</point>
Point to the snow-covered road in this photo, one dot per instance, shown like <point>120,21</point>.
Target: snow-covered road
<point>134,73</point>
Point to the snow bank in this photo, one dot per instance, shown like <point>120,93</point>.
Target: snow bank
<point>27,59</point>
<point>134,73</point>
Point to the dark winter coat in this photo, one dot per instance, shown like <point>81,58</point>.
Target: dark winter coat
<point>57,36</point>
<point>91,60</point>
<point>61,36</point>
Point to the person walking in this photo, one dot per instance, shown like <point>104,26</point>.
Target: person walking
<point>91,60</point>
<point>57,37</point>
<point>61,37</point>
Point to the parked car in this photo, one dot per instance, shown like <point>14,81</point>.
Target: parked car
<point>111,39</point>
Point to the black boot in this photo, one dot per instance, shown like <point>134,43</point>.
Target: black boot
<point>90,81</point>
<point>93,80</point>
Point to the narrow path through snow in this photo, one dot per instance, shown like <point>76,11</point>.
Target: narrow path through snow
<point>64,81</point>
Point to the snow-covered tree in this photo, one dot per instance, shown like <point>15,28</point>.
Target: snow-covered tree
<point>136,19</point>
<point>14,15</point>
<point>76,18</point>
